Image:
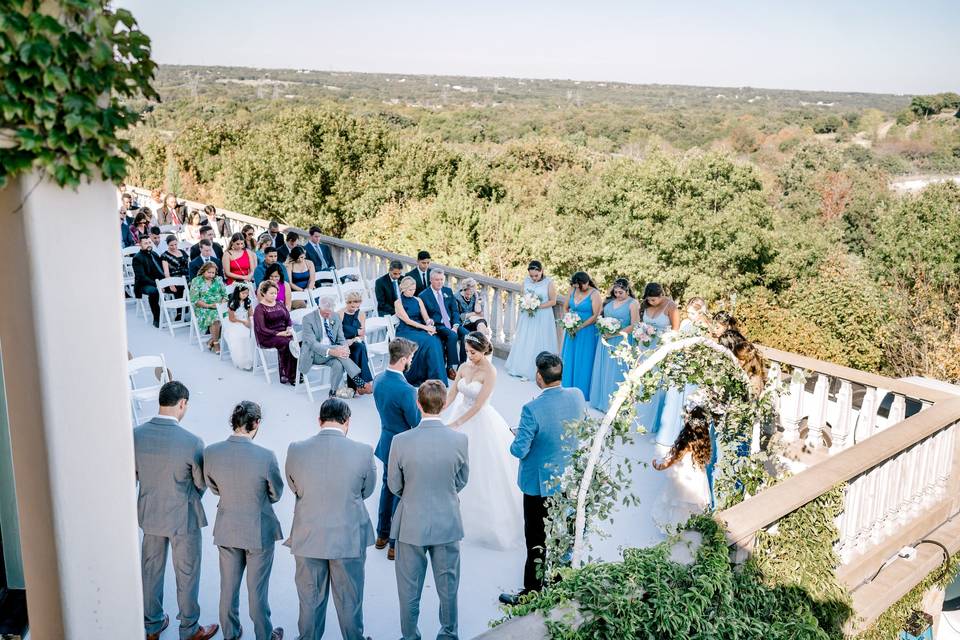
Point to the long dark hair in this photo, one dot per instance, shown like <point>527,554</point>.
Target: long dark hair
<point>235,301</point>
<point>620,283</point>
<point>581,277</point>
<point>695,438</point>
<point>234,238</point>
<point>272,269</point>
<point>652,290</point>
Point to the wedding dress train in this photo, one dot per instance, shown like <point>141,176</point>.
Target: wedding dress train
<point>686,493</point>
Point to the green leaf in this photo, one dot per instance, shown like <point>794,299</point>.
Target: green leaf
<point>58,78</point>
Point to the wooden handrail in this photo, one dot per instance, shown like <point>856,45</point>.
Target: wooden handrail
<point>771,504</point>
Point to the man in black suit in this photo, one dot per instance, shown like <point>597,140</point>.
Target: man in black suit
<point>146,272</point>
<point>387,288</point>
<point>273,230</point>
<point>206,233</point>
<point>205,255</point>
<point>443,309</point>
<point>318,253</point>
<point>421,273</point>
<point>283,251</point>
<point>126,237</point>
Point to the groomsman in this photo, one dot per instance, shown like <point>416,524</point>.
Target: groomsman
<point>387,288</point>
<point>247,479</point>
<point>331,476</point>
<point>169,470</point>
<point>443,309</point>
<point>421,272</point>
<point>544,453</point>
<point>396,402</point>
<point>428,467</point>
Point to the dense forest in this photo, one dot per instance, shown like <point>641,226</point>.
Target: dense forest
<point>777,202</point>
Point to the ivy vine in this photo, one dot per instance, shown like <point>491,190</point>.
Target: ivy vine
<point>65,67</point>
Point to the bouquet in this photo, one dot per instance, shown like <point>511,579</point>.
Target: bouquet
<point>608,327</point>
<point>570,323</point>
<point>530,303</point>
<point>644,334</point>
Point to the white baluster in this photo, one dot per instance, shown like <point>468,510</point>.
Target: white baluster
<point>883,496</point>
<point>894,493</point>
<point>818,413</point>
<point>496,315</point>
<point>852,499</point>
<point>510,317</point>
<point>946,462</point>
<point>919,458</point>
<point>791,407</point>
<point>867,421</point>
<point>898,410</point>
<point>842,435</point>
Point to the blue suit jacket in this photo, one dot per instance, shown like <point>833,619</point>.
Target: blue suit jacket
<point>396,401</point>
<point>433,309</point>
<point>540,443</point>
<point>314,257</point>
<point>195,265</point>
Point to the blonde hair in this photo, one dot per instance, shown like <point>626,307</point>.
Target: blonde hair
<point>353,296</point>
<point>467,283</point>
<point>406,282</point>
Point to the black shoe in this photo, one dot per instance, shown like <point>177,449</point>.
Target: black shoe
<point>512,599</point>
<point>156,324</point>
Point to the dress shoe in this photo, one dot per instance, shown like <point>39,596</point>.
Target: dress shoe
<point>391,554</point>
<point>365,389</point>
<point>277,634</point>
<point>451,373</point>
<point>205,633</point>
<point>156,636</point>
<point>512,598</point>
<point>381,543</point>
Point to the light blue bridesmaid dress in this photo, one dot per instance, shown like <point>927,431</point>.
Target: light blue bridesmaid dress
<point>534,333</point>
<point>671,420</point>
<point>650,413</point>
<point>580,350</point>
<point>608,371</point>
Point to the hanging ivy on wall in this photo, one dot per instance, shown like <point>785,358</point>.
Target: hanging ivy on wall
<point>65,66</point>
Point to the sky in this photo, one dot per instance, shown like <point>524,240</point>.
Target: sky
<point>887,46</point>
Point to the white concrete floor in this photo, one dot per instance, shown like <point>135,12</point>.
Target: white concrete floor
<point>216,386</point>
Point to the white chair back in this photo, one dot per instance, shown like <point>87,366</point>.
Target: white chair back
<point>322,292</point>
<point>130,251</point>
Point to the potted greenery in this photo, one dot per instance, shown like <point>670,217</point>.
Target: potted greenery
<point>919,627</point>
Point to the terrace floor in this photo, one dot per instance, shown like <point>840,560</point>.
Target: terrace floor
<point>216,386</point>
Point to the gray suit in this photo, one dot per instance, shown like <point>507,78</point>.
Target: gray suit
<point>169,466</point>
<point>312,352</point>
<point>331,476</point>
<point>247,478</point>
<point>427,469</point>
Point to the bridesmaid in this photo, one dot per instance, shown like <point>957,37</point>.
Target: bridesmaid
<point>672,417</point>
<point>608,372</point>
<point>535,333</point>
<point>660,312</point>
<point>580,349</point>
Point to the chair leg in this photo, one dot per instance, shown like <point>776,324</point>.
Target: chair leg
<point>266,368</point>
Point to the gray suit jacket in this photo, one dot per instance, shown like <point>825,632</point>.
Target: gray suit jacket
<point>312,336</point>
<point>331,475</point>
<point>428,467</point>
<point>247,478</point>
<point>169,466</point>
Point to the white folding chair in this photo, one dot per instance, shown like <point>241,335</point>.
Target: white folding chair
<point>264,360</point>
<point>367,302</point>
<point>346,275</point>
<point>323,371</point>
<point>129,252</point>
<point>304,296</point>
<point>168,228</point>
<point>379,332</point>
<point>323,292</point>
<point>224,316</point>
<point>149,392</point>
<point>297,315</point>
<point>326,276</point>
<point>194,325</point>
<point>143,307</point>
<point>169,302</point>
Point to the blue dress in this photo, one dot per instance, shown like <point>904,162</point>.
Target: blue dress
<point>358,350</point>
<point>671,420</point>
<point>580,350</point>
<point>650,413</point>
<point>534,335</point>
<point>608,372</point>
<point>428,362</point>
<point>302,279</point>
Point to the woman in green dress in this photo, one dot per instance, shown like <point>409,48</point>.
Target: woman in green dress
<point>206,291</point>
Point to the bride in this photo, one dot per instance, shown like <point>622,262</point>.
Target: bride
<point>687,465</point>
<point>491,501</point>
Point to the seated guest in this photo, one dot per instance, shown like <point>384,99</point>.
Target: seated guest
<point>331,476</point>
<point>126,237</point>
<point>283,251</point>
<point>204,255</point>
<point>247,479</point>
<point>128,207</point>
<point>219,223</point>
<point>236,330</point>
<point>302,275</point>
<point>387,288</point>
<point>274,330</point>
<point>146,272</point>
<point>171,212</point>
<point>273,230</point>
<point>416,325</point>
<point>206,292</point>
<point>175,265</point>
<point>421,272</point>
<point>318,253</point>
<point>354,331</point>
<point>442,308</point>
<point>263,243</point>
<point>141,226</point>
<point>269,258</point>
<point>239,263</point>
<point>191,230</point>
<point>274,274</point>
<point>248,233</point>
<point>323,343</point>
<point>206,233</point>
<point>471,307</point>
<point>157,244</point>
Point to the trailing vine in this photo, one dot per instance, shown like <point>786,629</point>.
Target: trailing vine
<point>65,66</point>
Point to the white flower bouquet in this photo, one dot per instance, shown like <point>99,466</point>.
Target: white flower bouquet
<point>644,334</point>
<point>530,304</point>
<point>570,322</point>
<point>608,327</point>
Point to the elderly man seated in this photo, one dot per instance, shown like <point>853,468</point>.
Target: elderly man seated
<point>323,343</point>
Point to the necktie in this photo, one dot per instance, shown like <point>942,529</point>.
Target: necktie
<point>423,279</point>
<point>328,330</point>
<point>323,261</point>
<point>443,309</point>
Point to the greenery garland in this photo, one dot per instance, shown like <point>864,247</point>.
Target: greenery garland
<point>64,67</point>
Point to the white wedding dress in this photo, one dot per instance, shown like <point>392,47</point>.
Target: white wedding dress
<point>238,340</point>
<point>491,503</point>
<point>686,493</point>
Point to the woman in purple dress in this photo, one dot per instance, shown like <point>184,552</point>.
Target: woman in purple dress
<point>274,330</point>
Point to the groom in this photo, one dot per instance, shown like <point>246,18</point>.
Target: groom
<point>544,454</point>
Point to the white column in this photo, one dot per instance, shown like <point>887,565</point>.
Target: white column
<point>63,337</point>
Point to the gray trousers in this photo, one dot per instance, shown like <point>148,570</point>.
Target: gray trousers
<point>411,567</point>
<point>258,565</point>
<point>314,578</point>
<point>186,569</point>
<point>338,366</point>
